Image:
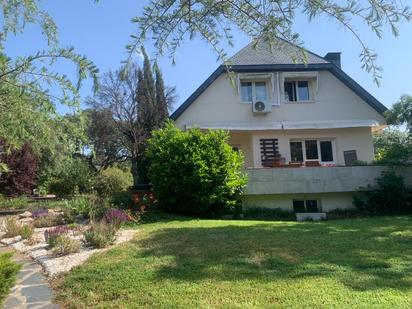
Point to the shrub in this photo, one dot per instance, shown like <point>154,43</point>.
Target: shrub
<point>194,172</point>
<point>359,163</point>
<point>100,235</point>
<point>48,221</point>
<point>27,231</point>
<point>389,195</point>
<point>65,245</point>
<point>13,203</point>
<point>393,147</point>
<point>261,213</point>
<point>8,272</point>
<point>89,206</point>
<point>122,199</point>
<point>116,217</point>
<point>75,176</point>
<point>12,227</point>
<point>52,235</point>
<point>22,166</point>
<point>112,181</point>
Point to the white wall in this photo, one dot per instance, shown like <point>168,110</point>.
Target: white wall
<point>220,103</point>
<point>328,201</point>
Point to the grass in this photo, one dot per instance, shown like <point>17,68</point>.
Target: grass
<point>356,263</point>
<point>8,271</point>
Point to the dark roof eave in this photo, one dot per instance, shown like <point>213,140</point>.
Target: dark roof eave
<point>337,72</point>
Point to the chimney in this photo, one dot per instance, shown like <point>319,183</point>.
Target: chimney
<point>334,58</point>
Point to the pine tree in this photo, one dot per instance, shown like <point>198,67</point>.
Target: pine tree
<point>161,109</point>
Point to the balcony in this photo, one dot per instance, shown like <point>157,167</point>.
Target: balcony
<point>307,180</point>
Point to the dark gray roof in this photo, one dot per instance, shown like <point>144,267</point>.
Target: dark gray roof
<point>284,53</point>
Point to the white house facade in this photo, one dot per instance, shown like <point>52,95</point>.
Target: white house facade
<point>300,126</point>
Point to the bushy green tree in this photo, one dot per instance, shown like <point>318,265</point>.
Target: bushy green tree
<point>393,147</point>
<point>390,195</point>
<point>74,176</point>
<point>401,113</point>
<point>112,181</point>
<point>195,172</point>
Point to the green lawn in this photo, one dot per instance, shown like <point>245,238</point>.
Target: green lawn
<point>359,263</point>
<point>8,271</point>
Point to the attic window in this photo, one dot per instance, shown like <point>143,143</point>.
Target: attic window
<point>297,90</point>
<point>252,91</point>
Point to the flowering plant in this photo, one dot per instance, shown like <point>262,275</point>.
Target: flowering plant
<point>40,212</point>
<point>116,217</point>
<point>51,235</point>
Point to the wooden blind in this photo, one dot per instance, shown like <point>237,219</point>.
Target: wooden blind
<point>268,151</point>
<point>350,156</point>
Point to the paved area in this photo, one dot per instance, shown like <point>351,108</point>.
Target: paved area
<point>31,289</point>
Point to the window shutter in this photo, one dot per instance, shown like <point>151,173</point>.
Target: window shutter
<point>350,156</point>
<point>268,151</point>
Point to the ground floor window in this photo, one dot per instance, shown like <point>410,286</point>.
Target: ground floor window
<point>312,150</point>
<point>302,206</point>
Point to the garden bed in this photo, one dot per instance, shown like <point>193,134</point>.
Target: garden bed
<point>40,250</point>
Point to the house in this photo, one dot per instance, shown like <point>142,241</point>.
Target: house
<point>300,126</point>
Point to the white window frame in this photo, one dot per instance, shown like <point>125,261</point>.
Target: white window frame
<point>254,89</point>
<point>295,81</point>
<point>318,140</point>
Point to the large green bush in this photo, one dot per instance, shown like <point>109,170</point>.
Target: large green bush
<point>390,195</point>
<point>74,176</point>
<point>111,181</point>
<point>194,172</point>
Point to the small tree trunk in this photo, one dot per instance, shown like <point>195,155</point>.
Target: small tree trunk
<point>135,172</point>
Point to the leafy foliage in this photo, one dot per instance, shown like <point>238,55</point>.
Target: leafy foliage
<point>22,169</point>
<point>100,235</point>
<point>401,113</point>
<point>131,96</point>
<point>27,231</point>
<point>48,221</point>
<point>169,23</point>
<point>51,236</point>
<point>8,272</point>
<point>390,195</point>
<point>65,245</point>
<point>74,176</point>
<point>111,181</point>
<point>393,147</point>
<point>13,203</point>
<point>194,172</point>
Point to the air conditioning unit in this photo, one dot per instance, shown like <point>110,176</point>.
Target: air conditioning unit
<point>262,107</point>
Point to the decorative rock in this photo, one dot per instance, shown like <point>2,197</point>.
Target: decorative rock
<point>26,220</point>
<point>26,214</point>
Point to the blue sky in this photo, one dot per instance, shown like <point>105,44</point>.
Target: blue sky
<point>101,31</point>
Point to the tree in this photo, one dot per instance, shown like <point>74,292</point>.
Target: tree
<point>401,113</point>
<point>31,73</point>
<point>130,96</point>
<point>392,147</point>
<point>105,138</point>
<point>21,174</point>
<point>169,22</point>
<point>195,172</point>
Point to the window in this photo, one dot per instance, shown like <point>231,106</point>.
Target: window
<point>309,150</point>
<point>296,151</point>
<point>247,94</point>
<point>326,152</point>
<point>254,91</point>
<point>305,206</point>
<point>297,91</point>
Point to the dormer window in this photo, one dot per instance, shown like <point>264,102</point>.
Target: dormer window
<point>252,91</point>
<point>297,90</point>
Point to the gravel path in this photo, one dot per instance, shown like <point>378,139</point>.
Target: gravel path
<point>31,289</point>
